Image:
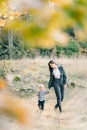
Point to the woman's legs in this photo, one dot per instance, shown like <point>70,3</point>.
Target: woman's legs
<point>58,94</point>
<point>62,92</point>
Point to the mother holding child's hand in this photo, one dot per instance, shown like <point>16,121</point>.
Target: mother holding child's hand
<point>58,81</point>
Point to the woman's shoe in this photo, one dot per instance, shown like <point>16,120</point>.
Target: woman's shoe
<point>60,109</point>
<point>56,106</point>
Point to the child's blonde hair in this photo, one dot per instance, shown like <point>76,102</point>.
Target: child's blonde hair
<point>41,87</point>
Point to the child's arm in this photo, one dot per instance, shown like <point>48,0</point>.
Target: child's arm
<point>47,92</point>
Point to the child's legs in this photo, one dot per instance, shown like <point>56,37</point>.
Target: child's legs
<point>42,104</point>
<point>39,103</point>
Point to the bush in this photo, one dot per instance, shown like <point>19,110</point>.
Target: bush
<point>58,51</point>
<point>45,52</point>
<point>83,44</point>
<point>71,49</point>
<point>17,78</point>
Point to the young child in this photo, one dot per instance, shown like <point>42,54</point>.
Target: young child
<point>41,96</point>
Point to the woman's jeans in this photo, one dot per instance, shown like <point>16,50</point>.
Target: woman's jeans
<point>62,92</point>
<point>57,89</point>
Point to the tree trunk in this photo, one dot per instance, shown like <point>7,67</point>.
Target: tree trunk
<point>10,42</point>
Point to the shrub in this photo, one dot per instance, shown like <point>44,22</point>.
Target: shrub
<point>83,44</point>
<point>17,78</point>
<point>71,49</point>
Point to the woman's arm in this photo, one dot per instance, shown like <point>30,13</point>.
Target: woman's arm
<point>62,71</point>
<point>64,77</point>
<point>51,81</point>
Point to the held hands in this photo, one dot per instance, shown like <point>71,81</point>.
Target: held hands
<point>65,86</point>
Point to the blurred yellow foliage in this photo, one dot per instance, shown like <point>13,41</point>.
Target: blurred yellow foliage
<point>3,7</point>
<point>81,35</point>
<point>2,22</point>
<point>61,3</point>
<point>3,84</point>
<point>16,14</point>
<point>12,107</point>
<point>47,16</point>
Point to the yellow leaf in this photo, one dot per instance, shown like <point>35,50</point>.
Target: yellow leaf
<point>3,84</point>
<point>60,37</point>
<point>60,3</point>
<point>2,22</point>
<point>12,107</point>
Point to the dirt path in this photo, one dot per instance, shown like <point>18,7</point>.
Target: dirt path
<point>73,116</point>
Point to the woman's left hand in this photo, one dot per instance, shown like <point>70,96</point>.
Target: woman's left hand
<point>65,85</point>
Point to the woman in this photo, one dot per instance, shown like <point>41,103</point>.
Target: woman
<point>57,80</point>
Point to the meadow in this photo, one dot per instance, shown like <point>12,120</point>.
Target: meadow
<point>25,75</point>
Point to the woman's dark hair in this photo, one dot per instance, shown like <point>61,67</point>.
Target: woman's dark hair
<point>51,62</point>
